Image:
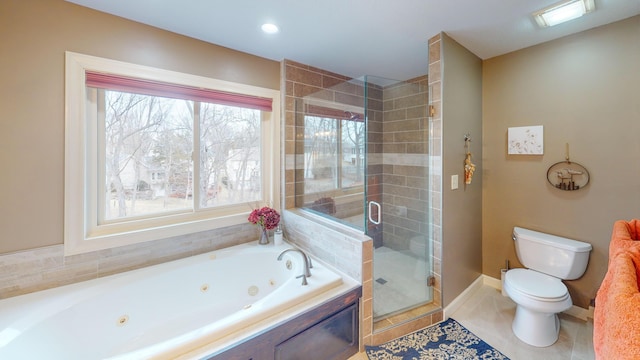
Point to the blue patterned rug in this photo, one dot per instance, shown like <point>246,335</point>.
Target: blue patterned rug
<point>447,340</point>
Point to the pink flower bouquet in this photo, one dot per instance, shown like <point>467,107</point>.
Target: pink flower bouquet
<point>266,217</point>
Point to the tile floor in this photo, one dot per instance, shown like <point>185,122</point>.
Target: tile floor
<point>393,290</point>
<point>488,314</point>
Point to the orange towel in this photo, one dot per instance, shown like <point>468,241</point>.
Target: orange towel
<point>625,236</point>
<point>616,326</point>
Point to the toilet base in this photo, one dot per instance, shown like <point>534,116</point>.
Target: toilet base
<point>536,328</point>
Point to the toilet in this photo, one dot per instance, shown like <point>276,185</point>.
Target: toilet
<point>538,290</point>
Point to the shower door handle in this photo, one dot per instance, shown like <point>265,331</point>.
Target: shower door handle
<point>370,215</point>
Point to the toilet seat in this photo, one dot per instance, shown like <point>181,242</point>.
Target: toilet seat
<point>536,285</point>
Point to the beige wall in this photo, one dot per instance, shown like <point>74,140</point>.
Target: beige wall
<point>461,208</point>
<point>584,89</point>
<point>34,35</point>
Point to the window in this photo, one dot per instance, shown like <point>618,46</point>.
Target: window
<point>152,153</point>
<point>333,153</point>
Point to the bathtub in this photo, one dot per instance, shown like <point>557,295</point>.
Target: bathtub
<point>168,311</point>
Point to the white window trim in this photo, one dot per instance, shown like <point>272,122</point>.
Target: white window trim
<point>81,233</point>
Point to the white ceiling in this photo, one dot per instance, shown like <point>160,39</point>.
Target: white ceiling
<point>386,38</point>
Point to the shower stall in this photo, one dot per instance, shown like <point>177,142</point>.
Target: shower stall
<point>362,155</point>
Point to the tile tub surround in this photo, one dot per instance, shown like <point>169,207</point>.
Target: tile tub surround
<point>345,248</point>
<point>42,268</point>
<point>336,244</point>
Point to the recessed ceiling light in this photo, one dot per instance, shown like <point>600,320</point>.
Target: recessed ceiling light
<point>270,28</point>
<point>563,11</point>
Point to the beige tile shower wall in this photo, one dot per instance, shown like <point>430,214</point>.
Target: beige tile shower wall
<point>405,117</point>
<point>300,80</point>
<point>42,268</point>
<point>374,172</point>
<point>405,162</point>
<point>435,162</point>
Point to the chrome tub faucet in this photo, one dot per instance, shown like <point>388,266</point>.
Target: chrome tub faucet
<point>307,264</point>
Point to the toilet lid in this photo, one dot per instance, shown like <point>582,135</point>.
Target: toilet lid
<point>535,284</point>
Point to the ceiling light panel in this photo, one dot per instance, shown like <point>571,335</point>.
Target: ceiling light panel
<point>563,11</point>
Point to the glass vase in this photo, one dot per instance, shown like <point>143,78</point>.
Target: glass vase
<point>264,236</point>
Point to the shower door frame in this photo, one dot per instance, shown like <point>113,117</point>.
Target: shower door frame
<point>374,189</point>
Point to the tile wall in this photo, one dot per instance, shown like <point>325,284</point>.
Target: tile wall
<point>405,134</point>
<point>435,162</point>
<point>38,269</point>
<point>435,166</point>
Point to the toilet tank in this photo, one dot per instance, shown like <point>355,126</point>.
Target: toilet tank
<point>553,255</point>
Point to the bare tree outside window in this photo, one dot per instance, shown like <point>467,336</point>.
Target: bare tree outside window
<point>334,154</point>
<point>230,155</point>
<point>320,154</point>
<point>148,144</point>
<point>148,154</point>
<point>353,135</point>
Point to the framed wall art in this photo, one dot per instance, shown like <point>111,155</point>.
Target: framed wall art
<point>525,140</point>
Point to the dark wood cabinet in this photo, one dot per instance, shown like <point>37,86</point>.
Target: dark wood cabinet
<point>328,331</point>
<point>332,338</point>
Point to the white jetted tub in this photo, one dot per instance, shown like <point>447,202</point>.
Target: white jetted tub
<point>160,312</point>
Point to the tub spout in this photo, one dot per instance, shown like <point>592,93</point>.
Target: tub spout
<point>304,279</point>
<point>305,258</point>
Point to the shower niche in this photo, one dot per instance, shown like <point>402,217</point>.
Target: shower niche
<point>361,159</point>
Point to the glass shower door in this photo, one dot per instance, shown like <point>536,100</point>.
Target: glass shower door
<point>397,205</point>
<point>361,160</point>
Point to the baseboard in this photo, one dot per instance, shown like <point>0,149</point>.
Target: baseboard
<point>464,296</point>
<point>575,311</point>
<point>580,313</point>
<point>491,281</point>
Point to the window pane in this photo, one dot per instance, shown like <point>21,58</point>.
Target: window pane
<point>352,153</point>
<point>147,159</point>
<point>229,155</point>
<point>320,154</point>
